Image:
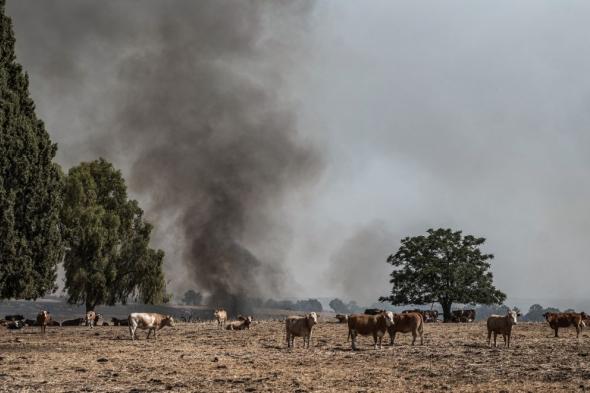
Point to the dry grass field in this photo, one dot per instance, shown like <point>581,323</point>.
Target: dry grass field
<point>198,357</point>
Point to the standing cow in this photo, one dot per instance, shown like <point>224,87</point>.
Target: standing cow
<point>410,322</point>
<point>297,326</point>
<point>565,319</point>
<point>90,318</point>
<point>221,317</point>
<point>369,325</point>
<point>150,321</point>
<point>43,319</point>
<point>498,324</point>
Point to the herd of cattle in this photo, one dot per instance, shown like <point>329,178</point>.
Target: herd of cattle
<point>374,323</point>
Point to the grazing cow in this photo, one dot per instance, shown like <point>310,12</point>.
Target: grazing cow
<point>221,317</point>
<point>374,311</point>
<point>565,319</point>
<point>14,317</point>
<point>119,322</point>
<point>43,319</point>
<point>242,324</point>
<point>463,315</point>
<point>501,324</point>
<point>74,322</point>
<point>369,325</point>
<point>297,326</point>
<point>411,322</point>
<point>150,321</point>
<point>342,318</point>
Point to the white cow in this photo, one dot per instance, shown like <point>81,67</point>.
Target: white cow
<point>148,320</point>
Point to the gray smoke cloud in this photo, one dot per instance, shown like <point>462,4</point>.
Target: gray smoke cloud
<point>185,96</point>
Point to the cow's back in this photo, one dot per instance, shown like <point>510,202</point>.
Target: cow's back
<point>408,322</point>
<point>363,323</point>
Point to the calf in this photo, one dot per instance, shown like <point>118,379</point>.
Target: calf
<point>369,325</point>
<point>150,321</point>
<point>242,324</point>
<point>499,324</point>
<point>411,322</point>
<point>221,317</point>
<point>565,319</point>
<point>43,319</point>
<point>297,326</point>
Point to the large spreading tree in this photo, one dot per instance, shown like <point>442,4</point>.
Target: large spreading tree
<point>30,184</point>
<point>442,267</point>
<point>108,259</point>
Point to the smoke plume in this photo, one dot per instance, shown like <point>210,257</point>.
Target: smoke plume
<point>190,106</point>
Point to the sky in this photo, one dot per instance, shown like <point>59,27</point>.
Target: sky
<point>377,119</point>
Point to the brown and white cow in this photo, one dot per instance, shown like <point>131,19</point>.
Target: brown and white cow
<point>565,319</point>
<point>242,324</point>
<point>298,326</point>
<point>369,325</point>
<point>501,324</point>
<point>43,319</point>
<point>90,318</point>
<point>411,322</point>
<point>221,317</point>
<point>342,318</point>
<point>148,320</point>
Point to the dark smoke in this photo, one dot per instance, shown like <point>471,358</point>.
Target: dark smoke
<point>195,111</point>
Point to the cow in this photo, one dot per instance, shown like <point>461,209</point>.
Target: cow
<point>73,322</point>
<point>298,326</point>
<point>369,325</point>
<point>374,311</point>
<point>221,317</point>
<point>16,317</point>
<point>565,319</point>
<point>463,315</point>
<point>342,318</point>
<point>30,322</point>
<point>150,321</point>
<point>501,324</point>
<point>43,319</point>
<point>119,322</point>
<point>91,317</point>
<point>407,323</point>
<point>242,324</point>
<point>15,325</point>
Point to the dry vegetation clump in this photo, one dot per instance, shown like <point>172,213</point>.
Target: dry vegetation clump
<point>199,357</point>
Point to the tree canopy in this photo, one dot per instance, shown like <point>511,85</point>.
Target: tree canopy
<point>30,184</point>
<point>192,298</point>
<point>108,258</point>
<point>443,267</point>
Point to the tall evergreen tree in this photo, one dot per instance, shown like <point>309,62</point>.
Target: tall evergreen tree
<point>108,259</point>
<point>30,184</point>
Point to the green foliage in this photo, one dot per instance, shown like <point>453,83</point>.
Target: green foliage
<point>30,185</point>
<point>108,259</point>
<point>192,298</point>
<point>444,267</point>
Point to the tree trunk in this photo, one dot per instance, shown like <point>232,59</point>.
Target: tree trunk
<point>446,306</point>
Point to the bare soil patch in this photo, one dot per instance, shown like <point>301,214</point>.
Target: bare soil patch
<point>195,357</point>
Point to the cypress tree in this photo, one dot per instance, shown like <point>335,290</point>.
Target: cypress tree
<point>30,184</point>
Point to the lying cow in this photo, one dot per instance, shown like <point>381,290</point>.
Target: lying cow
<point>369,325</point>
<point>297,326</point>
<point>411,322</point>
<point>221,317</point>
<point>73,322</point>
<point>565,319</point>
<point>342,318</point>
<point>242,324</point>
<point>499,324</point>
<point>15,325</point>
<point>17,317</point>
<point>43,319</point>
<point>150,321</point>
<point>119,322</point>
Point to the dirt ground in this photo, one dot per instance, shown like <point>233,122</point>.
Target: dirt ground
<point>195,357</point>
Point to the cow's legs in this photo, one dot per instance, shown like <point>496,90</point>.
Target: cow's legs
<point>374,340</point>
<point>413,337</point>
<point>353,339</point>
<point>578,331</point>
<point>495,336</point>
<point>489,338</point>
<point>155,335</point>
<point>504,337</point>
<point>508,340</point>
<point>132,332</point>
<point>393,338</point>
<point>380,342</point>
<point>556,330</point>
<point>149,332</point>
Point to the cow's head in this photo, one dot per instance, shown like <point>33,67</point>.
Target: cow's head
<point>312,318</point>
<point>512,317</point>
<point>388,316</point>
<point>168,320</point>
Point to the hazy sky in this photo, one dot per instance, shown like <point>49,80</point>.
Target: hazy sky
<point>464,114</point>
